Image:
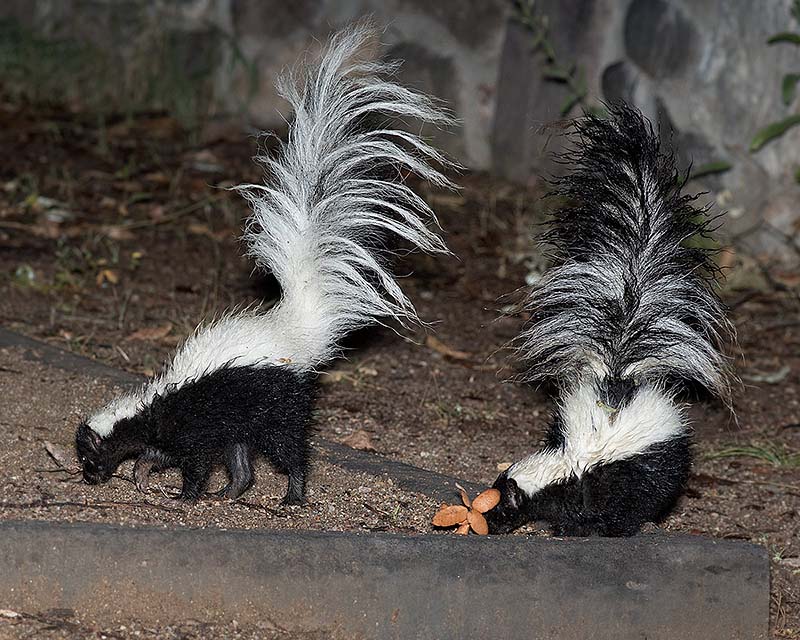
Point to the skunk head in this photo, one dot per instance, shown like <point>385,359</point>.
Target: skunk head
<point>94,455</point>
<point>510,511</point>
<point>99,456</point>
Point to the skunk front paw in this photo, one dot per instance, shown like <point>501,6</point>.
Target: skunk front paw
<point>141,473</point>
<point>150,461</point>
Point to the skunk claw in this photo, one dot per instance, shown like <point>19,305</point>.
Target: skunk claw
<point>141,473</point>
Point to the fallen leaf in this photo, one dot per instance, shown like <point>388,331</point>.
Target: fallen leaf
<point>107,275</point>
<point>463,529</point>
<point>368,371</point>
<point>438,346</point>
<point>478,523</point>
<point>117,232</point>
<point>157,176</point>
<point>200,229</point>
<point>151,333</point>
<point>129,186</point>
<point>360,440</point>
<point>62,457</point>
<point>502,466</point>
<point>8,613</point>
<point>486,500</point>
<point>464,496</point>
<point>449,515</point>
<point>770,377</point>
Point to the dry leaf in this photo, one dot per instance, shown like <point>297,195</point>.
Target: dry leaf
<point>151,333</point>
<point>200,229</point>
<point>478,523</point>
<point>157,176</point>
<point>117,232</point>
<point>469,516</point>
<point>8,613</point>
<point>438,346</point>
<point>464,497</point>
<point>62,457</point>
<point>502,466</point>
<point>486,500</point>
<point>360,440</point>
<point>337,375</point>
<point>449,515</point>
<point>368,371</point>
<point>107,275</point>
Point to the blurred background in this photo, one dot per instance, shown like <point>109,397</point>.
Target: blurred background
<point>703,69</point>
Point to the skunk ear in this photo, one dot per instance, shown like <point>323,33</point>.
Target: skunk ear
<point>509,490</point>
<point>96,440</point>
<point>512,493</point>
<point>89,437</point>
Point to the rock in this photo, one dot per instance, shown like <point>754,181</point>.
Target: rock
<point>702,68</point>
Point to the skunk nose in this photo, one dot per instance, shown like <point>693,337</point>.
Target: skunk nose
<point>91,478</point>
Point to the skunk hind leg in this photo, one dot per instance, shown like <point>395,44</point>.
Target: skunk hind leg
<point>290,453</point>
<point>296,491</point>
<point>239,465</point>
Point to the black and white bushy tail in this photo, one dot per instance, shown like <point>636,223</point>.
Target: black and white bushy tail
<point>631,294</point>
<point>626,315</point>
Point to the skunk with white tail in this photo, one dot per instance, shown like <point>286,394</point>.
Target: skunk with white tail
<point>626,317</point>
<point>244,385</point>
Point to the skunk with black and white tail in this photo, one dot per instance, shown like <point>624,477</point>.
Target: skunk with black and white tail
<point>627,315</point>
<point>244,385</point>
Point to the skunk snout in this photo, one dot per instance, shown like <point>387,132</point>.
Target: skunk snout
<point>94,473</point>
<point>508,514</point>
<point>91,454</point>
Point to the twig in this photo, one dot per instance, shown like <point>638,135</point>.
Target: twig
<point>174,216</point>
<point>86,505</point>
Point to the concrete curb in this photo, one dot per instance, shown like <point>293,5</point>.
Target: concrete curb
<point>387,586</point>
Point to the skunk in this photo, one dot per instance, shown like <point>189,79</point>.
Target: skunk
<point>245,384</point>
<point>625,319</point>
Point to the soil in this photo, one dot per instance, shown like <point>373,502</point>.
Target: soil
<point>137,244</point>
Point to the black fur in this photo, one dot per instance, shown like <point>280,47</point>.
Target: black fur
<point>227,417</point>
<point>613,499</point>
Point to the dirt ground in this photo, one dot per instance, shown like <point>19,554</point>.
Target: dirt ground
<point>115,243</point>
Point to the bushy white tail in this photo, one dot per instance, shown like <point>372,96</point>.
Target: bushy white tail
<point>335,192</point>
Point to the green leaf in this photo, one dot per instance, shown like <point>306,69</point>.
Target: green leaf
<point>797,175</point>
<point>788,87</point>
<point>772,131</point>
<point>710,168</point>
<point>556,74</point>
<point>571,101</point>
<point>791,38</point>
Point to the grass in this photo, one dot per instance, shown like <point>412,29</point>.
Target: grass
<point>771,453</point>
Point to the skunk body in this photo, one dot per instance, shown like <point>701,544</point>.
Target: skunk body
<point>623,320</point>
<point>226,417</point>
<point>244,385</point>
